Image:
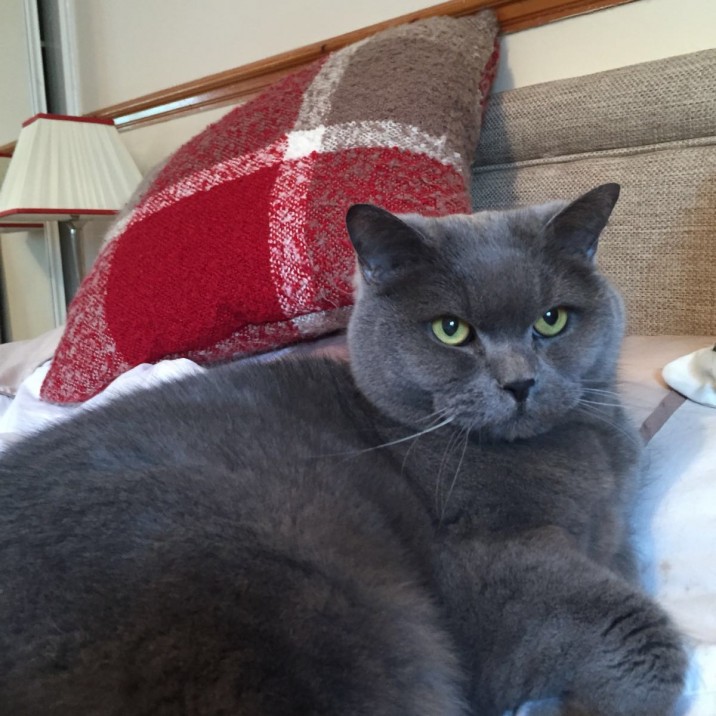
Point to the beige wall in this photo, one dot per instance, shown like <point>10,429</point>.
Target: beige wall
<point>26,287</point>
<point>24,263</point>
<point>623,35</point>
<point>15,96</point>
<point>139,46</point>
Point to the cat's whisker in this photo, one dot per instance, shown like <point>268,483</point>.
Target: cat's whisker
<point>617,383</point>
<point>620,397</point>
<point>415,435</point>
<point>392,442</point>
<point>601,391</point>
<point>466,432</point>
<point>620,400</point>
<point>585,401</point>
<point>443,462</point>
<point>405,457</point>
<point>603,397</point>
<point>437,415</point>
<point>594,412</point>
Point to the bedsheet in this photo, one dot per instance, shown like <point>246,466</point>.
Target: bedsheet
<point>27,413</point>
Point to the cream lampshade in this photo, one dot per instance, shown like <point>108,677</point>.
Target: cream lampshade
<point>6,226</point>
<point>67,168</point>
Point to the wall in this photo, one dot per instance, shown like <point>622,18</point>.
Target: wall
<point>15,95</point>
<point>624,35</point>
<point>138,46</point>
<point>27,289</point>
<point>25,264</point>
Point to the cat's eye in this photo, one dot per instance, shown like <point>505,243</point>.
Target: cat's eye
<point>451,331</point>
<point>552,322</point>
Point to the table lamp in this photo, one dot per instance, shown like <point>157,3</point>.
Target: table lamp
<point>67,169</point>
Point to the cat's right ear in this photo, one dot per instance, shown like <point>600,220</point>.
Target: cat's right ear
<point>387,247</point>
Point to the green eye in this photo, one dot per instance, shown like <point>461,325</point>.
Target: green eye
<point>451,331</point>
<point>552,322</point>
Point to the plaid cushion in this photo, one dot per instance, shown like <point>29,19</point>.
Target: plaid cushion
<point>238,244</point>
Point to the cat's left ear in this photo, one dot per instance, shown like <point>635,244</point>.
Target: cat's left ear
<point>387,247</point>
<point>577,227</point>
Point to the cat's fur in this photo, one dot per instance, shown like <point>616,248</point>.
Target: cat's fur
<point>409,535</point>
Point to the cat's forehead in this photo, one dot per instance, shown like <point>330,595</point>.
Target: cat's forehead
<point>486,233</point>
<point>493,265</point>
<point>490,242</point>
<point>500,228</point>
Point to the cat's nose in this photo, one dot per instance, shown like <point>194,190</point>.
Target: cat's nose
<point>520,389</point>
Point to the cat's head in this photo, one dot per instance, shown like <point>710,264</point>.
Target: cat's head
<point>497,320</point>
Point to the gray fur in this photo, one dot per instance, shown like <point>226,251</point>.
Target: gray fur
<point>404,536</point>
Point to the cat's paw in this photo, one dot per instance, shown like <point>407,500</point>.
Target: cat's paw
<point>639,665</point>
<point>549,707</point>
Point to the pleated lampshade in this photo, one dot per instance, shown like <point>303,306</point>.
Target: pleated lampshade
<point>66,168</point>
<point>7,226</point>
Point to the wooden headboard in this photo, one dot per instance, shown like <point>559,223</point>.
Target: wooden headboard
<point>239,83</point>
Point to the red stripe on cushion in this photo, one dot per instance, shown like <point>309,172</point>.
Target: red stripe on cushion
<point>207,270</point>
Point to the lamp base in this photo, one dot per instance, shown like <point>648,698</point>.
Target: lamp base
<point>73,260</point>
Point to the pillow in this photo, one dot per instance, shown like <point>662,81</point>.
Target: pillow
<point>694,375</point>
<point>238,245</point>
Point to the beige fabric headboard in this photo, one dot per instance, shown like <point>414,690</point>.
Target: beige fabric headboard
<point>651,128</point>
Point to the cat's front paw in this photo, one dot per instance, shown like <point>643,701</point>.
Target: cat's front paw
<point>639,665</point>
<point>549,707</point>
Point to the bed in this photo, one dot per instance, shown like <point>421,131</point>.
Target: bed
<point>650,127</point>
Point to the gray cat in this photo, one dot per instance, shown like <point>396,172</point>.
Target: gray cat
<point>438,529</point>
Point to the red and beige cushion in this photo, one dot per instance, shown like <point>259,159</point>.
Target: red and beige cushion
<point>238,244</point>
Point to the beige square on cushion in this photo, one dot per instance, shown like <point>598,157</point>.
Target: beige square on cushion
<point>238,245</point>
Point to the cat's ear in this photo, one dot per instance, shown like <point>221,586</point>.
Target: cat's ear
<point>387,247</point>
<point>577,227</point>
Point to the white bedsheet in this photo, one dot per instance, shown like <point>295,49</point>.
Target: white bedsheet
<point>27,413</point>
<point>678,545</point>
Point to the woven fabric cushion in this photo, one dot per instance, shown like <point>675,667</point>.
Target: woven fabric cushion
<point>238,245</point>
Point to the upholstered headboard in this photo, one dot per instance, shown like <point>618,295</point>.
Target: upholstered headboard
<point>652,128</point>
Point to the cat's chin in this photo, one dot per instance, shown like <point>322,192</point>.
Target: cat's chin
<point>520,429</point>
<point>521,426</point>
<point>511,432</point>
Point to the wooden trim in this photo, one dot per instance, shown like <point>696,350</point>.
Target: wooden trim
<point>243,82</point>
<point>524,14</point>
